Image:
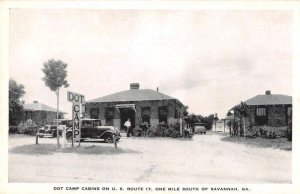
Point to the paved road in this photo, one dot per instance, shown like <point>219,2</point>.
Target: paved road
<point>202,159</point>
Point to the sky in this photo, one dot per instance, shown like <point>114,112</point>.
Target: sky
<point>210,60</point>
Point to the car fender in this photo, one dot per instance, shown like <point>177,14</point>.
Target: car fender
<point>108,132</point>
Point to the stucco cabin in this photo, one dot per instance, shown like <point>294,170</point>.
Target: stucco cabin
<point>274,110</point>
<point>139,105</point>
<point>38,112</point>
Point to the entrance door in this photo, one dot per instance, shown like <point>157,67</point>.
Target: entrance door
<point>125,114</point>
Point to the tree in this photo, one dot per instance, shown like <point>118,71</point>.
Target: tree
<point>186,112</point>
<point>55,77</point>
<point>229,123</point>
<point>16,91</point>
<point>241,111</point>
<point>192,118</point>
<point>208,121</point>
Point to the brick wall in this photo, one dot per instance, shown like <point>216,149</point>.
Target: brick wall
<point>277,116</point>
<point>154,105</point>
<point>37,116</point>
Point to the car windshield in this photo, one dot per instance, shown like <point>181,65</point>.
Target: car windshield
<point>91,123</point>
<point>68,123</point>
<point>97,123</point>
<point>199,124</point>
<point>87,123</point>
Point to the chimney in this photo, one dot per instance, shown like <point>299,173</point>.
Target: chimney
<point>157,89</point>
<point>268,92</point>
<point>134,86</point>
<point>35,102</point>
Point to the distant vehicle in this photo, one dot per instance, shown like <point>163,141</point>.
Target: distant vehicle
<point>92,129</point>
<point>66,122</point>
<point>49,130</point>
<point>200,128</point>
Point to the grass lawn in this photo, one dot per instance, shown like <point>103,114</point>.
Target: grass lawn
<point>280,143</point>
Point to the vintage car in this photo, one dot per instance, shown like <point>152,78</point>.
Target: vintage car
<point>92,129</point>
<point>199,128</point>
<point>48,130</point>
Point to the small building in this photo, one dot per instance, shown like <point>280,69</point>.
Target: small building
<point>220,126</point>
<point>138,105</point>
<point>38,112</point>
<point>273,110</point>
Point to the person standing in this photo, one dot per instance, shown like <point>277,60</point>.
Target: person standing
<point>127,124</point>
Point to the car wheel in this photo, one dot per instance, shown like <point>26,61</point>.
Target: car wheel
<point>41,136</point>
<point>204,132</point>
<point>69,137</point>
<point>109,139</point>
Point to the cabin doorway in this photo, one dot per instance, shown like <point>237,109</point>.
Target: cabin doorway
<point>125,114</point>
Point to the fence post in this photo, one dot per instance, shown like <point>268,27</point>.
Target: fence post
<point>181,132</point>
<point>64,136</point>
<point>114,140</point>
<point>36,138</point>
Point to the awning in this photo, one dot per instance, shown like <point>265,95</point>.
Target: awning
<point>119,106</point>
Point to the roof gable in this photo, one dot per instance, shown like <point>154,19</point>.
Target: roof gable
<point>133,95</point>
<point>39,107</point>
<point>272,99</point>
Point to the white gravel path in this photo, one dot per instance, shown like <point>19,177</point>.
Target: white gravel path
<point>202,159</point>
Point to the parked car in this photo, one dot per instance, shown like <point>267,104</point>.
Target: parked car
<point>92,129</point>
<point>63,123</point>
<point>199,128</point>
<point>49,130</point>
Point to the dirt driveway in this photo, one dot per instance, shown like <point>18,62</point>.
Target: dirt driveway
<point>202,159</point>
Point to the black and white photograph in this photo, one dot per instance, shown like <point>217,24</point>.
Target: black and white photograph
<point>163,99</point>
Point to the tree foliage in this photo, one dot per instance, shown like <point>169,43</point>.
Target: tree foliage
<point>191,119</point>
<point>242,110</point>
<point>16,91</point>
<point>185,112</point>
<point>55,77</point>
<point>55,74</point>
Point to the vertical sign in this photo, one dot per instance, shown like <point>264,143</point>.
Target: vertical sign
<point>77,100</point>
<point>76,122</point>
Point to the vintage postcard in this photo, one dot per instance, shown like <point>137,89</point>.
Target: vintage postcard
<point>150,97</point>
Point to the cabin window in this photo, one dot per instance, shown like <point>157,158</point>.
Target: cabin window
<point>146,114</point>
<point>109,116</point>
<point>163,115</point>
<point>261,111</point>
<point>94,113</point>
<point>176,116</point>
<point>28,115</point>
<point>261,116</point>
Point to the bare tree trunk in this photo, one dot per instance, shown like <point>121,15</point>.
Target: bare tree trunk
<point>57,114</point>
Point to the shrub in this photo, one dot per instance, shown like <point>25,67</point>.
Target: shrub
<point>137,132</point>
<point>164,130</point>
<point>13,129</point>
<point>27,127</point>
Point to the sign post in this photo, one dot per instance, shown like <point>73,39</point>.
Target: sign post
<point>77,100</point>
